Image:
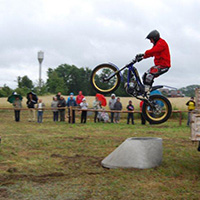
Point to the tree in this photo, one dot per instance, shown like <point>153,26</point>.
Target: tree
<point>25,82</point>
<point>66,78</point>
<point>55,83</point>
<point>189,90</point>
<point>5,91</point>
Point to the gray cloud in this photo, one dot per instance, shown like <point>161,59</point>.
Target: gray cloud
<point>86,33</point>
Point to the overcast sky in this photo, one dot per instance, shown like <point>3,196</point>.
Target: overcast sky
<point>86,33</point>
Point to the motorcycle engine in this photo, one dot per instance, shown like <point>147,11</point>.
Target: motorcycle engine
<point>132,89</point>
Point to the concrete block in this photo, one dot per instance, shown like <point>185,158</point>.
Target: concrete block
<point>136,152</point>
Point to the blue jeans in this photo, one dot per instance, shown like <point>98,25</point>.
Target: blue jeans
<point>55,116</point>
<point>40,114</point>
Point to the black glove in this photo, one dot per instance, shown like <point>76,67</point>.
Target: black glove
<point>139,57</point>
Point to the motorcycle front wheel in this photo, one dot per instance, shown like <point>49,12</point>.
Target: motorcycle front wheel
<point>100,75</point>
<point>158,111</point>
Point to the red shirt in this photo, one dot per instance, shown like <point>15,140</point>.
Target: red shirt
<point>79,99</point>
<point>160,52</point>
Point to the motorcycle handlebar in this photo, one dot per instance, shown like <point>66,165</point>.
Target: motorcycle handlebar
<point>137,58</point>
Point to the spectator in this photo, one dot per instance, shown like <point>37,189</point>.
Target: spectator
<point>96,106</point>
<point>71,102</point>
<point>117,106</point>
<point>31,105</point>
<point>130,107</point>
<point>58,96</point>
<point>54,106</point>
<point>79,98</point>
<point>143,120</point>
<point>191,106</point>
<point>40,107</point>
<point>61,106</point>
<point>17,106</point>
<point>111,105</point>
<point>84,106</point>
<point>103,116</point>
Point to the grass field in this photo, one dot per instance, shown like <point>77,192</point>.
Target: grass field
<point>62,161</point>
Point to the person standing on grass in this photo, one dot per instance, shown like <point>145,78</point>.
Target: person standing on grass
<point>17,106</point>
<point>112,102</point>
<point>191,106</point>
<point>79,98</point>
<point>61,106</point>
<point>40,107</point>
<point>31,105</point>
<point>96,106</point>
<point>130,107</point>
<point>54,106</point>
<point>71,102</point>
<point>84,107</point>
<point>118,107</point>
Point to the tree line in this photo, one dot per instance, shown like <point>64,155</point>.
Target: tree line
<point>66,79</point>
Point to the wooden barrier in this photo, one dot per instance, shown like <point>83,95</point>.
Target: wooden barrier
<point>93,110</point>
<point>136,111</point>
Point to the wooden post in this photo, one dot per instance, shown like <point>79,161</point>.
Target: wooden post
<point>195,118</point>
<point>180,118</point>
<point>70,114</point>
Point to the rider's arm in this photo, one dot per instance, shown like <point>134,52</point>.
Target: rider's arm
<point>156,49</point>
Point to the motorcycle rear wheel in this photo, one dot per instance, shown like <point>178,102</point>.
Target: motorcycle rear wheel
<point>159,112</point>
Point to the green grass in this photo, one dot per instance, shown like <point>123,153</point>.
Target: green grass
<point>62,161</point>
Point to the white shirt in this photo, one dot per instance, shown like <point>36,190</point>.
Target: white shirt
<point>84,105</point>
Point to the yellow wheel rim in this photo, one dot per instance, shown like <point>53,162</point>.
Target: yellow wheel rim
<point>161,117</point>
<point>103,90</point>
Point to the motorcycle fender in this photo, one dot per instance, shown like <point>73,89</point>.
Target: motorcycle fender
<point>117,69</point>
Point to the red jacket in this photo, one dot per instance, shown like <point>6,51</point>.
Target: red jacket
<point>79,99</point>
<point>160,52</point>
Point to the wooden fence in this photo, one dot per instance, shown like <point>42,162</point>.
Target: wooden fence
<point>93,110</point>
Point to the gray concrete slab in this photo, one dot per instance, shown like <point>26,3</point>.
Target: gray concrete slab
<point>136,152</point>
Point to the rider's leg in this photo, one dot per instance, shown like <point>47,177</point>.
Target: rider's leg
<point>153,72</point>
<point>147,80</point>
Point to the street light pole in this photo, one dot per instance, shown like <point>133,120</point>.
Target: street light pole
<point>40,59</point>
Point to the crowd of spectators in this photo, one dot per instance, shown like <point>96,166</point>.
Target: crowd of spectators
<point>59,105</point>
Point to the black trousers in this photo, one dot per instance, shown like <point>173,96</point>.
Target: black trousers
<point>17,115</point>
<point>62,115</point>
<point>95,116</point>
<point>55,116</point>
<point>143,120</point>
<point>130,116</point>
<point>83,116</point>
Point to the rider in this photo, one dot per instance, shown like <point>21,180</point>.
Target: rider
<point>161,54</point>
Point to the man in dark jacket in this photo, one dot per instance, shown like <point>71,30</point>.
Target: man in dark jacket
<point>160,52</point>
<point>31,101</point>
<point>117,106</point>
<point>61,106</point>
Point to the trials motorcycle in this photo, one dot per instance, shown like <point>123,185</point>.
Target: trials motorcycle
<point>106,78</point>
